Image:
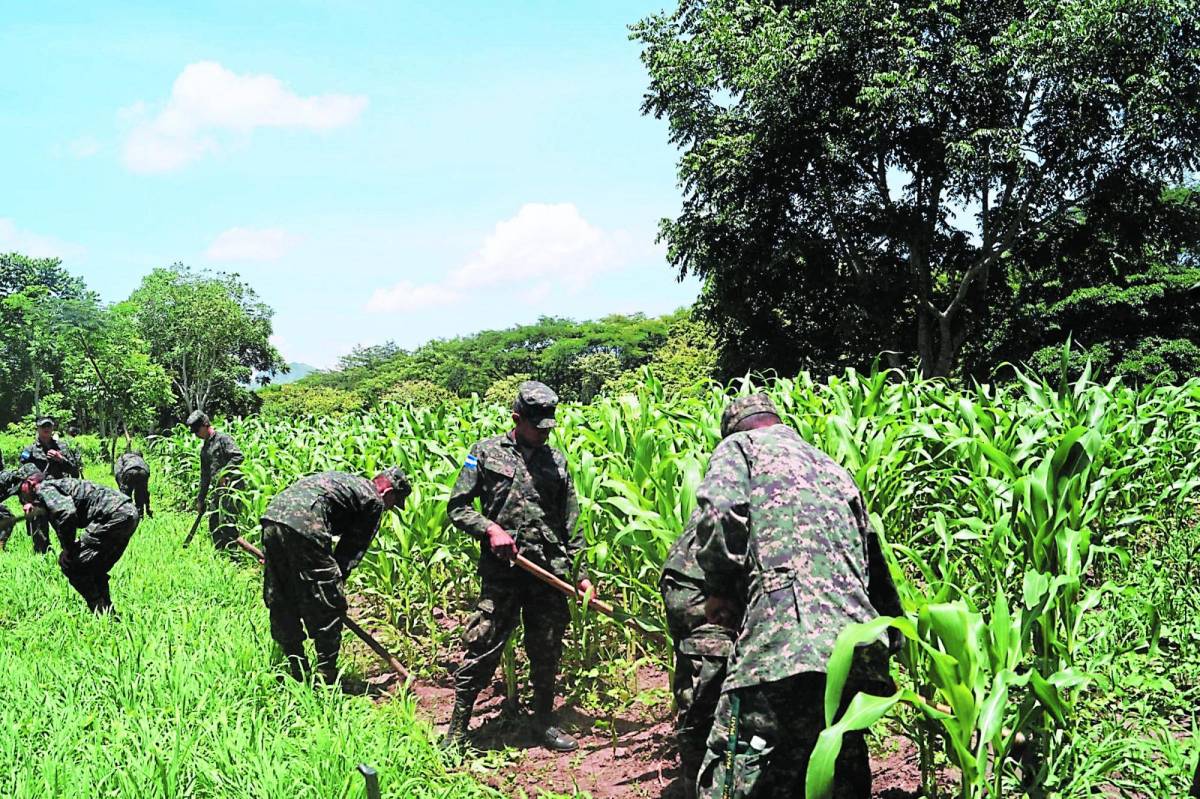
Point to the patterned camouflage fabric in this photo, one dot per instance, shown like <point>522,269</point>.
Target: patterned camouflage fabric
<point>37,455</point>
<point>778,725</point>
<point>536,402</point>
<point>110,521</point>
<point>219,462</point>
<point>529,493</point>
<point>132,474</point>
<point>701,652</point>
<point>302,580</point>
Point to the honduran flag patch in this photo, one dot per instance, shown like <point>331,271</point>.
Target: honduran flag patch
<point>471,462</point>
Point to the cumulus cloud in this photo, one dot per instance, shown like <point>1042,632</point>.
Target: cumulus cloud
<point>209,102</point>
<point>14,239</point>
<point>544,247</point>
<point>251,244</point>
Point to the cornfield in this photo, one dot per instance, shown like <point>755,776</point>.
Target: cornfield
<point>1042,537</point>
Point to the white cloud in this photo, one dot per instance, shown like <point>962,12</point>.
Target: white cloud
<point>209,102</point>
<point>251,244</point>
<point>542,248</point>
<point>404,296</point>
<point>13,239</point>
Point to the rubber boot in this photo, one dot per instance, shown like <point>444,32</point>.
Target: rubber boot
<point>298,665</point>
<point>548,733</point>
<point>460,722</point>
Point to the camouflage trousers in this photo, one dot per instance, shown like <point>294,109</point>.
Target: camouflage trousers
<point>87,561</point>
<point>786,717</point>
<point>135,484</point>
<point>699,672</point>
<point>502,604</point>
<point>302,589</point>
<point>222,522</point>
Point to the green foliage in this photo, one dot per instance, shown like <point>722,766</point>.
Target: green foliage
<point>420,393</point>
<point>595,369</point>
<point>503,392</point>
<point>685,365</point>
<point>294,400</point>
<point>867,177</point>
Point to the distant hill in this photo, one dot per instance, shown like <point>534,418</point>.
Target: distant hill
<point>298,370</point>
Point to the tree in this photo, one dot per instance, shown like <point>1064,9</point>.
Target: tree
<point>882,166</point>
<point>208,331</point>
<point>594,370</point>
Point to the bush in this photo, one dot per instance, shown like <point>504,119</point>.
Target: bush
<point>419,393</point>
<point>504,390</point>
<point>295,399</point>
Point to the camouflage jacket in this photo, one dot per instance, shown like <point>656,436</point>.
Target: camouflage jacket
<point>217,454</point>
<point>37,454</point>
<point>71,504</point>
<point>330,504</point>
<point>783,531</point>
<point>683,591</point>
<point>130,463</point>
<point>528,493</point>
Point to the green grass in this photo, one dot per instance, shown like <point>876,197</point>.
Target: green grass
<point>181,698</point>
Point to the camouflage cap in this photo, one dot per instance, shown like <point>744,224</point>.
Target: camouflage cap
<point>398,479</point>
<point>197,418</point>
<point>743,408</point>
<point>45,421</point>
<point>537,403</point>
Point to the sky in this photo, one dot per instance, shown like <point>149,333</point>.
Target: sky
<point>376,170</point>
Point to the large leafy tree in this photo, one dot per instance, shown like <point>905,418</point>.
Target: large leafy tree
<point>864,176</point>
<point>210,332</point>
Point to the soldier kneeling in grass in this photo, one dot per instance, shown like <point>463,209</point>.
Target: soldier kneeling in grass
<point>132,474</point>
<point>305,572</point>
<point>109,519</point>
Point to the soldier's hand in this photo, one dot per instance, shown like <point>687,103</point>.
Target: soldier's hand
<point>896,641</point>
<point>501,543</point>
<point>585,585</point>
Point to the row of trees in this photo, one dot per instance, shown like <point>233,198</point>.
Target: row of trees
<point>183,340</point>
<point>579,359</point>
<point>954,184</point>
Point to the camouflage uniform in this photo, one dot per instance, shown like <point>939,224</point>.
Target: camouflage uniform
<point>529,493</point>
<point>110,520</point>
<point>133,478</point>
<point>37,454</point>
<point>783,533</point>
<point>701,651</point>
<point>305,571</point>
<point>9,481</point>
<point>219,462</point>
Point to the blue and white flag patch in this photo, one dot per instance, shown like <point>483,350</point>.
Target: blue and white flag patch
<point>471,462</point>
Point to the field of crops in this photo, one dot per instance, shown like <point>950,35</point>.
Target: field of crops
<point>1043,538</point>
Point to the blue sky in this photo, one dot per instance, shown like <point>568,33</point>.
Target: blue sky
<point>376,170</point>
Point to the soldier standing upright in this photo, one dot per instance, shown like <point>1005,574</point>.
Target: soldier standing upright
<point>109,518</point>
<point>132,474</point>
<point>304,571</point>
<point>701,651</point>
<point>219,462</point>
<point>55,459</point>
<point>528,507</point>
<point>785,543</point>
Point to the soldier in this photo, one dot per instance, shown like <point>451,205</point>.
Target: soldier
<point>109,518</point>
<point>528,506</point>
<point>304,574</point>
<point>55,460</point>
<point>9,484</point>
<point>132,474</point>
<point>219,462</point>
<point>785,544</point>
<point>701,651</point>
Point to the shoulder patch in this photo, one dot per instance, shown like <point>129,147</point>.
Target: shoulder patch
<point>471,462</point>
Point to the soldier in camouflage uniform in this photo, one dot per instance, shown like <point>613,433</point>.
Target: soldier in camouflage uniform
<point>305,571</point>
<point>701,651</point>
<point>132,474</point>
<point>528,506</point>
<point>109,519</point>
<point>785,543</point>
<point>219,462</point>
<point>9,485</point>
<point>55,459</point>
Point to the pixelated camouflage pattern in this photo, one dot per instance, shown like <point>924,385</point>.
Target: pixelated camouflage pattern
<point>743,408</point>
<point>71,504</point>
<point>302,589</point>
<point>218,455</point>
<point>132,474</point>
<point>37,454</point>
<point>783,531</point>
<point>786,717</point>
<point>527,492</point>
<point>130,463</point>
<point>322,506</point>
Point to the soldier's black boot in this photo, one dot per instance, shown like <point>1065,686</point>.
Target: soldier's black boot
<point>460,721</point>
<point>547,731</point>
<point>297,661</point>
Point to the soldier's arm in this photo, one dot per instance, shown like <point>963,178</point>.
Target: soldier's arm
<point>205,468</point>
<point>880,588</point>
<point>72,461</point>
<point>353,544</point>
<point>460,507</point>
<point>62,513</point>
<point>723,522</point>
<point>231,459</point>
